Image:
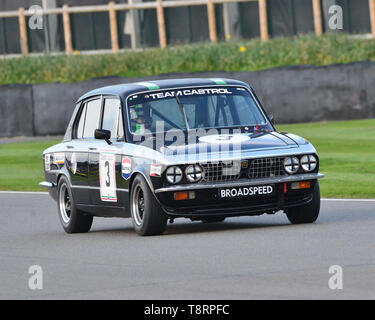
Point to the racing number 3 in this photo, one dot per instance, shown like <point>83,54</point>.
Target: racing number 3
<point>108,179</point>
<point>107,176</point>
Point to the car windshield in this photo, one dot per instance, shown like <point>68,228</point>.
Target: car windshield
<point>194,108</point>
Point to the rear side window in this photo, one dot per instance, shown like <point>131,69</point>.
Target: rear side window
<point>110,115</point>
<point>81,123</point>
<point>92,121</point>
<point>120,127</point>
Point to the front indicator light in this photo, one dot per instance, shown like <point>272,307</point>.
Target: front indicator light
<point>300,185</point>
<point>184,195</point>
<point>180,195</point>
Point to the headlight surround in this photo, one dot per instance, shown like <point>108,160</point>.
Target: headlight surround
<point>194,172</point>
<point>291,165</point>
<point>309,162</point>
<point>174,174</point>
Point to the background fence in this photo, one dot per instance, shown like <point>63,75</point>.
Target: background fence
<point>336,92</point>
<point>116,26</point>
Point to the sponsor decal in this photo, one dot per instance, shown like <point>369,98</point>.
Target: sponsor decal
<point>225,138</point>
<point>218,81</point>
<point>59,158</point>
<point>74,163</point>
<point>189,92</point>
<point>107,175</point>
<point>149,85</point>
<point>155,170</point>
<point>126,167</point>
<point>245,191</point>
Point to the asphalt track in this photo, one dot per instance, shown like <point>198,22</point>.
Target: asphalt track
<point>243,258</point>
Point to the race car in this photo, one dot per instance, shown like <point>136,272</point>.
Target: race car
<point>202,149</point>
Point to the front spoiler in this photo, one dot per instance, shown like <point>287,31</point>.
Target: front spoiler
<point>244,210</point>
<point>242,182</point>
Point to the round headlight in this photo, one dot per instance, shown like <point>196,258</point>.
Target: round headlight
<point>174,175</point>
<point>291,165</point>
<point>194,173</point>
<point>308,163</point>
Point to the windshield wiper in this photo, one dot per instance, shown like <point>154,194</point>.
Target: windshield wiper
<point>182,109</point>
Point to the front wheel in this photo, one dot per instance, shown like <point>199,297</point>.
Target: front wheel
<point>147,215</point>
<point>307,213</point>
<point>72,219</point>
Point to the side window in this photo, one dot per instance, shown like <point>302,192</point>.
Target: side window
<point>110,115</point>
<point>81,123</point>
<point>92,118</point>
<point>244,109</point>
<point>120,126</point>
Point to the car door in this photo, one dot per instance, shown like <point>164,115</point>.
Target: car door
<point>105,161</point>
<point>76,153</point>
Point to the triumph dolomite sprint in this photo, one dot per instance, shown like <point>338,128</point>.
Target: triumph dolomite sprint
<point>202,149</point>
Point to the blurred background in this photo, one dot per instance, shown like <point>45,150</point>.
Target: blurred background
<point>90,29</point>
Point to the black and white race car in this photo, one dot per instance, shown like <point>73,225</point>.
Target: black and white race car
<point>202,149</point>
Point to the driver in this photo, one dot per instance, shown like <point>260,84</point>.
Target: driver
<point>141,119</point>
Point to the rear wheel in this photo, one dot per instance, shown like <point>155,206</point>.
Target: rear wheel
<point>307,213</point>
<point>147,215</point>
<point>72,219</point>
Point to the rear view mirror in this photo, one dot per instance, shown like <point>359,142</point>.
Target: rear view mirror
<point>272,120</point>
<point>102,134</point>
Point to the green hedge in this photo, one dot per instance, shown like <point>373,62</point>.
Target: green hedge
<point>226,56</point>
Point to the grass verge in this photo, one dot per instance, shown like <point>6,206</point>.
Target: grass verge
<point>346,150</point>
<point>21,166</point>
<point>224,56</point>
<point>347,156</point>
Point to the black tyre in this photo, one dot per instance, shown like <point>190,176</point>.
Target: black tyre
<point>72,219</point>
<point>307,213</point>
<point>213,219</point>
<point>147,215</point>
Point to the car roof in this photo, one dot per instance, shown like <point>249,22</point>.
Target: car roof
<point>124,90</point>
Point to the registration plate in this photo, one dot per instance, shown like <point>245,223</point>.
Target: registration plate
<point>247,191</point>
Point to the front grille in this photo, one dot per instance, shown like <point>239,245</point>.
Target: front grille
<point>266,168</point>
<point>255,169</point>
<point>222,171</point>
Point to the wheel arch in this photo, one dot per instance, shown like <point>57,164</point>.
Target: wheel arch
<point>63,174</point>
<point>142,173</point>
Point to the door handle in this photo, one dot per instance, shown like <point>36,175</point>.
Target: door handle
<point>70,147</point>
<point>92,148</point>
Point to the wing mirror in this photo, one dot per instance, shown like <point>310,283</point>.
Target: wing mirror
<point>272,120</point>
<point>102,134</point>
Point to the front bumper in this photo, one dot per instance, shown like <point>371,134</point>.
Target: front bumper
<point>47,184</point>
<point>52,188</point>
<point>208,203</point>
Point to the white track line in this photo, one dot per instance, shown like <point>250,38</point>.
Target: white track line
<point>323,199</point>
<point>349,200</point>
<point>23,192</point>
